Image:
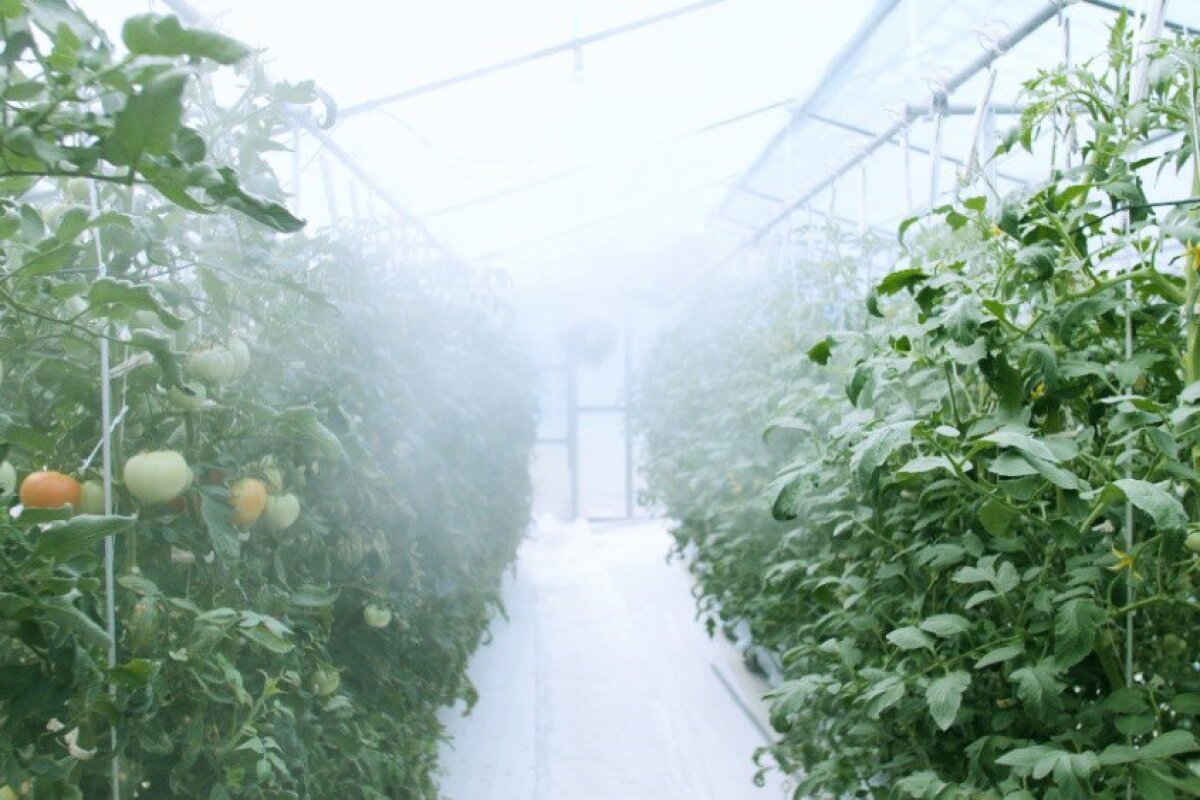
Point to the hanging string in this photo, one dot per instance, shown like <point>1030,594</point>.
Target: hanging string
<point>982,109</point>
<point>935,152</point>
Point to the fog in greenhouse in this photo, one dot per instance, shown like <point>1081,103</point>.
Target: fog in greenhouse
<point>599,400</point>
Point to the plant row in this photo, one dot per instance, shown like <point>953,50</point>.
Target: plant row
<point>970,531</point>
<point>319,452</point>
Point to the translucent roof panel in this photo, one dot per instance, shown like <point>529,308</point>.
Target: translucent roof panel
<point>906,52</point>
<point>645,157</point>
<point>608,165</point>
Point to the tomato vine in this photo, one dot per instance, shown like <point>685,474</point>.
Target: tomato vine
<point>369,419</point>
<point>941,558</point>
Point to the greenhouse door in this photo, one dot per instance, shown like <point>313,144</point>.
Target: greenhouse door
<point>585,449</point>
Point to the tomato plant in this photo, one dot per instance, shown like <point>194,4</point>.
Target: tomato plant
<point>380,412</point>
<point>961,605</point>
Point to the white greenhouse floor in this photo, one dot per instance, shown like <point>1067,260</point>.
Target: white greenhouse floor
<point>602,685</point>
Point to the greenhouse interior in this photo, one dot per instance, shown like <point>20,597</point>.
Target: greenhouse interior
<point>581,400</point>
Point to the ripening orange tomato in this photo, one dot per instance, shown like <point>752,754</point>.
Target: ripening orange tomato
<point>249,499</point>
<point>49,489</point>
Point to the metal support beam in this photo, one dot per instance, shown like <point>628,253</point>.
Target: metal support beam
<point>1047,12</point>
<point>369,181</point>
<point>573,438</point>
<point>846,126</point>
<point>829,217</point>
<point>574,45</point>
<point>604,162</point>
<point>965,110</point>
<point>845,57</point>
<point>630,489</point>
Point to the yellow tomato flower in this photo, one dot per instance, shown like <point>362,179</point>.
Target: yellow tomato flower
<point>1124,561</point>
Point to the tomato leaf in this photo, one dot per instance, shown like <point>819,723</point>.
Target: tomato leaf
<point>156,35</point>
<point>63,540</point>
<point>944,697</point>
<point>147,124</point>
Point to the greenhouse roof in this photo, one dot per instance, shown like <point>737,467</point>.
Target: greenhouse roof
<point>898,64</point>
<point>675,134</point>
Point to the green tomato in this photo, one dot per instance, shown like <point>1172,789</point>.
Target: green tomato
<point>1192,542</point>
<point>376,616</point>
<point>282,511</point>
<point>185,401</point>
<point>91,499</point>
<point>79,190</point>
<point>157,477</point>
<point>326,681</point>
<point>212,365</point>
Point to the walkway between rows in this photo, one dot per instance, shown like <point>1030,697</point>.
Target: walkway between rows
<point>601,685</point>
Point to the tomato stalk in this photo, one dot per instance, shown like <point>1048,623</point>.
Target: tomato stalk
<point>1191,365</point>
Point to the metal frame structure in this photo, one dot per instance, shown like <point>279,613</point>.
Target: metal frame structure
<point>937,103</point>
<point>937,106</point>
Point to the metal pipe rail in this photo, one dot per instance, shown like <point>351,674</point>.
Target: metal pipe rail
<point>982,62</point>
<point>563,47</point>
<point>327,142</point>
<point>915,148</point>
<point>845,56</point>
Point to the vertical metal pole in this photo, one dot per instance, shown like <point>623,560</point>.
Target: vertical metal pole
<point>629,381</point>
<point>1150,29</point>
<point>914,68</point>
<point>110,558</point>
<point>935,153</point>
<point>573,434</point>
<point>908,193</point>
<point>990,169</point>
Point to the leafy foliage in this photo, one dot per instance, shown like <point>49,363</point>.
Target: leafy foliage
<point>389,398</point>
<point>949,577</point>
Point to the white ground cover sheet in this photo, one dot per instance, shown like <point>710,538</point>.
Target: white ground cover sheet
<point>602,685</point>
